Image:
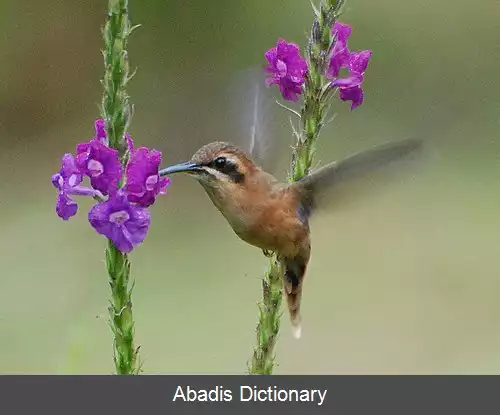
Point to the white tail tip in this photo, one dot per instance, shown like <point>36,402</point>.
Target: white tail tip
<point>297,331</point>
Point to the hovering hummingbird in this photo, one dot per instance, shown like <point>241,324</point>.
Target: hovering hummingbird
<point>272,215</point>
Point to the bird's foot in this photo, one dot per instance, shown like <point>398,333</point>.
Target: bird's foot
<point>267,253</point>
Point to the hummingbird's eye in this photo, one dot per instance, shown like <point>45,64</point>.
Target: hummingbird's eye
<point>228,168</point>
<point>220,162</point>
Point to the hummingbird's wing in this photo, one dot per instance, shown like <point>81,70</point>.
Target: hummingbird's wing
<point>315,185</point>
<point>253,117</point>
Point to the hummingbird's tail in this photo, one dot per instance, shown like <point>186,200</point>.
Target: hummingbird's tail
<point>295,269</point>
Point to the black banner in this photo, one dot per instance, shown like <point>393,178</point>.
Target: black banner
<point>121,395</point>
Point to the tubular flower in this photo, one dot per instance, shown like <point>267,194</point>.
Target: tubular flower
<point>122,217</point>
<point>288,69</point>
<point>355,62</point>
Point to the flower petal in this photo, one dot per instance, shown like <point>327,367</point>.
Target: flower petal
<point>124,224</point>
<point>136,229</point>
<point>340,53</point>
<point>143,180</point>
<point>354,94</point>
<point>70,171</point>
<point>349,82</point>
<point>164,184</point>
<point>271,58</point>
<point>287,68</point>
<point>101,164</point>
<point>359,61</point>
<point>342,31</point>
<point>57,181</point>
<point>339,60</point>
<point>66,207</point>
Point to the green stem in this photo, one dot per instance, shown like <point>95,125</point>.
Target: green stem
<point>316,90</point>
<point>115,102</point>
<point>269,321</point>
<point>120,312</point>
<point>116,111</point>
<point>313,112</point>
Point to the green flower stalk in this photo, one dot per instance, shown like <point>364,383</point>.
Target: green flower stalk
<point>115,103</point>
<point>124,181</point>
<point>268,327</point>
<point>125,354</point>
<point>116,111</point>
<point>316,78</point>
<point>318,87</point>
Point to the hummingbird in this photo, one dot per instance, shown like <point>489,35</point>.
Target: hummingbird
<point>273,215</point>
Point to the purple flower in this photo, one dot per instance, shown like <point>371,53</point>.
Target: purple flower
<point>143,180</point>
<point>125,224</point>
<point>359,61</point>
<point>67,181</point>
<point>354,94</point>
<point>101,163</point>
<point>355,62</point>
<point>350,87</point>
<point>123,217</point>
<point>340,53</point>
<point>288,69</point>
<point>66,207</point>
<point>69,176</point>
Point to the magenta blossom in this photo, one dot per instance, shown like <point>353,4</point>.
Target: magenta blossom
<point>68,181</point>
<point>125,224</point>
<point>355,62</point>
<point>101,164</point>
<point>123,217</point>
<point>143,180</point>
<point>350,87</point>
<point>340,53</point>
<point>288,69</point>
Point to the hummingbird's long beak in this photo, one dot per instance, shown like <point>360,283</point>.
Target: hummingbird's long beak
<point>187,167</point>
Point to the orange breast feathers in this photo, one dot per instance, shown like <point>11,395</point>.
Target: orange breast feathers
<point>272,221</point>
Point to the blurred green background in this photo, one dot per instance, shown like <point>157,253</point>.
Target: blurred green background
<point>405,273</point>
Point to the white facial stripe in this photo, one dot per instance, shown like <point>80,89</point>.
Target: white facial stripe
<point>213,175</point>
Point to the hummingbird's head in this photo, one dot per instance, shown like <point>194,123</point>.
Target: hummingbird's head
<point>216,165</point>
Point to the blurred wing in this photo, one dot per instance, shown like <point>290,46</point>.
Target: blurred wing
<point>358,166</point>
<point>253,117</point>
